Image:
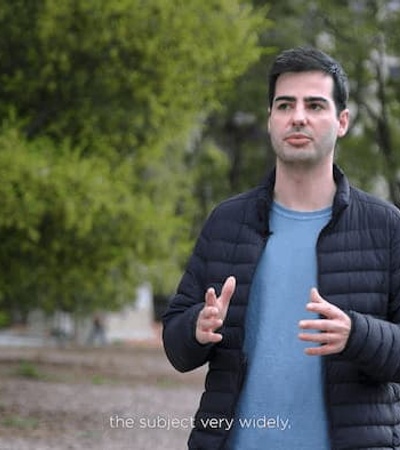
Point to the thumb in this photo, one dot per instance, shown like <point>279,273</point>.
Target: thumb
<point>314,296</point>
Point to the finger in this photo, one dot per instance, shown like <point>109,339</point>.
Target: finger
<point>227,291</point>
<point>319,338</point>
<point>315,324</point>
<point>211,298</point>
<point>322,350</point>
<point>210,324</point>
<point>210,337</point>
<point>209,312</point>
<point>320,306</point>
<point>316,304</point>
<point>314,296</point>
<point>327,343</point>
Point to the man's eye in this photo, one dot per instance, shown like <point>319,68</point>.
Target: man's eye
<point>283,106</point>
<point>315,106</point>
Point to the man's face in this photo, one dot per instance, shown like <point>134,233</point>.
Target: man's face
<point>303,122</point>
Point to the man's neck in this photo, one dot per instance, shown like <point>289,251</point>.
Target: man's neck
<point>304,188</point>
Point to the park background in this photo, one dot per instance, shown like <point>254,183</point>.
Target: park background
<point>122,123</point>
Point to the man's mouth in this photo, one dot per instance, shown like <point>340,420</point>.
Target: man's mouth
<point>297,139</point>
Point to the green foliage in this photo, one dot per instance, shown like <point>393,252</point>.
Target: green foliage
<point>67,224</point>
<point>371,32</point>
<point>125,121</point>
<point>99,380</point>
<point>26,369</point>
<point>134,72</point>
<point>365,38</point>
<point>5,319</point>
<point>105,95</point>
<point>19,422</point>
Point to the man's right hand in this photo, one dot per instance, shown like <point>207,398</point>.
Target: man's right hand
<point>212,316</point>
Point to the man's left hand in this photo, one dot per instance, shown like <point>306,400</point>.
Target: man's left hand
<point>334,329</point>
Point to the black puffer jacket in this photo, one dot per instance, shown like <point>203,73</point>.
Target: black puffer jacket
<point>358,270</point>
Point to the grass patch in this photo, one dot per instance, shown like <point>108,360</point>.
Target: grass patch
<point>26,369</point>
<point>166,383</point>
<point>21,423</point>
<point>99,380</point>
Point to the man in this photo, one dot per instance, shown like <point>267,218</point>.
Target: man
<point>292,294</point>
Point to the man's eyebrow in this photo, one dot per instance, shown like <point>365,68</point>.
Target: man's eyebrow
<point>315,99</point>
<point>288,98</point>
<point>285,98</point>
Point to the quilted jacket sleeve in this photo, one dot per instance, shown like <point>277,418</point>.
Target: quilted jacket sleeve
<point>374,343</point>
<point>179,321</point>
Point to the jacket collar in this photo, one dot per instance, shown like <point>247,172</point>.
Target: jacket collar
<point>342,196</point>
<point>266,196</point>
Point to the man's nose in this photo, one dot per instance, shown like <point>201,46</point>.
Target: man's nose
<point>299,116</point>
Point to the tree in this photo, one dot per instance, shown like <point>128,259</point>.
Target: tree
<point>134,72</point>
<point>67,226</point>
<point>369,31</point>
<point>105,96</point>
<point>366,31</point>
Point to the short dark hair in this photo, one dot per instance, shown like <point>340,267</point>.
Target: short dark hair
<point>306,59</point>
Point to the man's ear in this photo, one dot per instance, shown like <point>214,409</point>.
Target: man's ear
<point>344,119</point>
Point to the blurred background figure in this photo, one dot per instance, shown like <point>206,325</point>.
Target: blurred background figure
<point>97,334</point>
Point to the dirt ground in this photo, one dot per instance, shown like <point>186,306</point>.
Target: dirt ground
<point>111,398</point>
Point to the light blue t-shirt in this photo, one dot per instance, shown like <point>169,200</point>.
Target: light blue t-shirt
<point>281,406</point>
